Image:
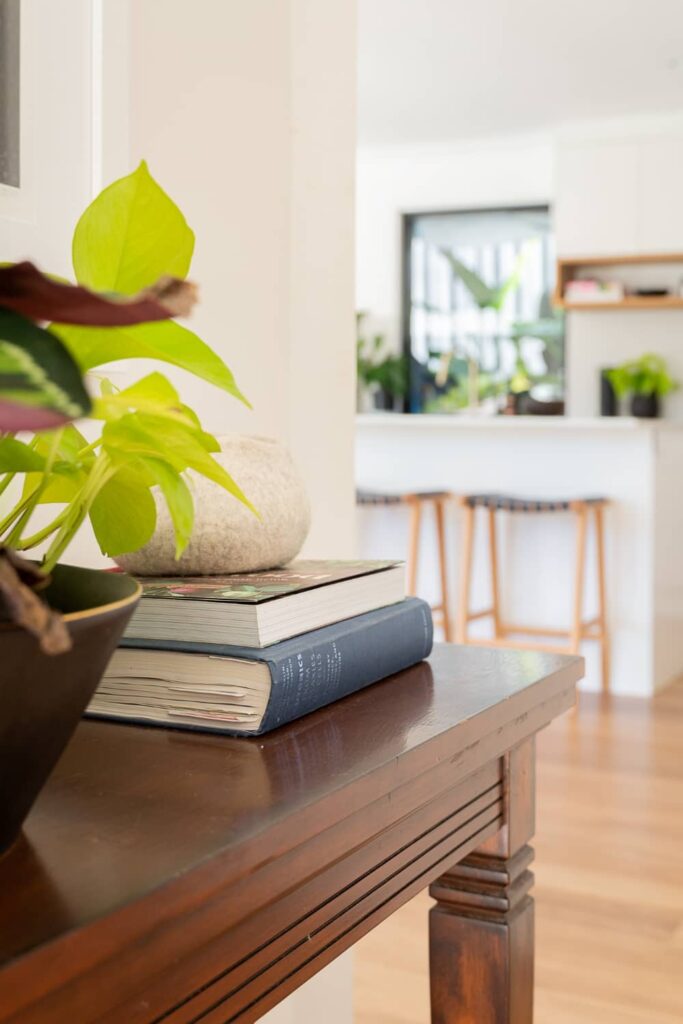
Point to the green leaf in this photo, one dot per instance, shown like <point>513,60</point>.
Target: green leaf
<point>175,443</point>
<point>478,289</point>
<point>69,448</point>
<point>63,485</point>
<point>40,383</point>
<point>512,281</point>
<point>17,457</point>
<point>131,235</point>
<point>178,499</point>
<point>118,531</point>
<point>167,341</point>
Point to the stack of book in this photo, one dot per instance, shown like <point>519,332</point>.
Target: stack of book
<point>245,654</point>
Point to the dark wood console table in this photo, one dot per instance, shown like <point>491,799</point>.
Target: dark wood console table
<point>178,877</point>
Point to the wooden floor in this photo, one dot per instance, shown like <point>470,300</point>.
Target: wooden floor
<point>609,879</point>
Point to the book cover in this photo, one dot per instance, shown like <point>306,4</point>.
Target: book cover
<point>313,670</point>
<point>257,587</point>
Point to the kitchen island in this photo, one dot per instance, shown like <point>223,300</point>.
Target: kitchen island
<point>637,464</point>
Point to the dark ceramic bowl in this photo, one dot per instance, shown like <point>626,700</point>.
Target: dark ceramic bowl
<point>42,697</point>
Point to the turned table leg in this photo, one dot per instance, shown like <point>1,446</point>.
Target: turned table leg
<point>481,931</point>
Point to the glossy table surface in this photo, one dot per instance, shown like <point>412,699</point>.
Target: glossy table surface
<point>131,812</point>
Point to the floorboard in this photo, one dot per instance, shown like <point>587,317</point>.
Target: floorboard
<point>609,878</point>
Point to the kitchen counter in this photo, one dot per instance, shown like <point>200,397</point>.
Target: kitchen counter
<point>401,421</point>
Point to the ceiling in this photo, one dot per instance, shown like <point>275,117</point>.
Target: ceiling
<point>444,70</point>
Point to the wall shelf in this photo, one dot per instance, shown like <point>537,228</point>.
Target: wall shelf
<point>571,268</point>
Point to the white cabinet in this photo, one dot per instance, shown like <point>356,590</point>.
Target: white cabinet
<point>596,198</point>
<point>660,204</point>
<point>619,195</point>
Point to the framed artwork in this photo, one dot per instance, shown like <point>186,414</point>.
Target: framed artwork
<point>10,75</point>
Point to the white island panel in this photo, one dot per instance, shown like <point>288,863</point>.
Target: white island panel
<point>545,457</point>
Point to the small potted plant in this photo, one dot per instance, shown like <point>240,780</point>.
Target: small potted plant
<point>59,624</point>
<point>646,380</point>
<point>381,375</point>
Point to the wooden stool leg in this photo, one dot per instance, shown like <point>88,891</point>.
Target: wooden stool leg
<point>579,572</point>
<point>465,575</point>
<point>602,598</point>
<point>443,566</point>
<point>414,543</point>
<point>493,550</point>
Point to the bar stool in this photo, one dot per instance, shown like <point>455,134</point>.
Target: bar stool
<point>593,629</point>
<point>416,502</point>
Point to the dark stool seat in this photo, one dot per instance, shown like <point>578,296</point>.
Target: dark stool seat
<point>364,497</point>
<point>508,503</point>
<point>416,501</point>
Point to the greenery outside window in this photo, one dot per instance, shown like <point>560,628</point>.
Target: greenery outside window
<point>478,326</point>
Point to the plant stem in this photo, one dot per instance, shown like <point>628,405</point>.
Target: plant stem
<point>6,481</point>
<point>30,542</point>
<point>30,503</point>
<point>78,509</point>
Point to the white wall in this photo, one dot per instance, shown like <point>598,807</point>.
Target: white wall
<point>614,188</point>
<point>396,180</point>
<point>617,191</point>
<point>37,219</point>
<point>245,112</point>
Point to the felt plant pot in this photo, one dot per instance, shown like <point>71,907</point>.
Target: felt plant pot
<point>227,537</point>
<point>645,406</point>
<point>42,697</point>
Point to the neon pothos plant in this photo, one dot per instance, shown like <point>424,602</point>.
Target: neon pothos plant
<point>132,250</point>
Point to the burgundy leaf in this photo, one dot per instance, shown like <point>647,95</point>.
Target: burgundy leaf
<point>14,417</point>
<point>26,290</point>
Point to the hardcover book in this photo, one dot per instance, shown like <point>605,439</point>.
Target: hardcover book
<point>263,608</point>
<point>245,691</point>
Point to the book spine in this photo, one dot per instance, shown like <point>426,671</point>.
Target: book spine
<point>317,673</point>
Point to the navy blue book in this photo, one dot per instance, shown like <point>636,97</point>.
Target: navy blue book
<point>247,691</point>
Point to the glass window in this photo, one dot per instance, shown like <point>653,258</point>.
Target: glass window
<point>479,328</point>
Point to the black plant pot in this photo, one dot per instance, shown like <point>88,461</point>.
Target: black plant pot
<point>384,400</point>
<point>42,697</point>
<point>645,406</point>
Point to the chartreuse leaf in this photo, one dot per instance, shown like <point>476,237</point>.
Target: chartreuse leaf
<point>69,472</point>
<point>154,393</point>
<point>175,443</point>
<point>123,515</point>
<point>178,499</point>
<point>40,382</point>
<point>63,485</point>
<point>131,235</point>
<point>17,457</point>
<point>71,447</point>
<point>167,341</point>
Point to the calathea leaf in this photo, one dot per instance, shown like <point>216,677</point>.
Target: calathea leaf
<point>168,342</point>
<point>131,235</point>
<point>40,383</point>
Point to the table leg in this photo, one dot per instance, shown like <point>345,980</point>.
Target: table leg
<point>481,931</point>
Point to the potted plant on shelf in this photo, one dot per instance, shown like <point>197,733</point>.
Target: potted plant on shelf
<point>382,376</point>
<point>59,624</point>
<point>646,380</point>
